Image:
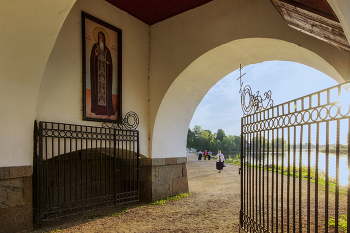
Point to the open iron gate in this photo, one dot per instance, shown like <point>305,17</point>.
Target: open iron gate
<point>295,165</point>
<point>82,168</point>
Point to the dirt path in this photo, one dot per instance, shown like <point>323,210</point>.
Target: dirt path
<point>213,206</point>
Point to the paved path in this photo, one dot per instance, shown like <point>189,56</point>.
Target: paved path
<point>213,206</point>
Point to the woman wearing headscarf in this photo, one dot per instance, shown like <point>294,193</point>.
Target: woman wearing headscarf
<point>220,161</point>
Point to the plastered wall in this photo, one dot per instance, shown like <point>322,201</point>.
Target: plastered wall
<point>28,33</point>
<point>207,43</point>
<point>40,64</point>
<point>60,98</point>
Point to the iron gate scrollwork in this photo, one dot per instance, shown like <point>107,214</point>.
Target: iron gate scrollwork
<point>295,164</point>
<point>82,168</point>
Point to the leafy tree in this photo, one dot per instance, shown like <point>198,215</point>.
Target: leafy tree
<point>220,135</point>
<point>237,143</point>
<point>281,143</point>
<point>197,130</point>
<point>191,139</point>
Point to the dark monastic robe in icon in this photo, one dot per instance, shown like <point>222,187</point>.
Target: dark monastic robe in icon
<point>101,82</point>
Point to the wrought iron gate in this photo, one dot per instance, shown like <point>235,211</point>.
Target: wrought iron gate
<point>295,165</point>
<point>82,168</point>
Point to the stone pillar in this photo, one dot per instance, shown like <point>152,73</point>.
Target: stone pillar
<point>16,205</point>
<point>162,177</point>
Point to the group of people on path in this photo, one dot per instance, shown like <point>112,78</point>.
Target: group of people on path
<point>205,154</point>
<point>220,159</point>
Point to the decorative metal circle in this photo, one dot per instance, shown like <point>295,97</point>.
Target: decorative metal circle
<point>341,108</point>
<point>299,118</point>
<point>131,120</point>
<point>333,113</point>
<point>306,119</point>
<point>320,113</point>
<point>313,113</point>
<point>293,117</point>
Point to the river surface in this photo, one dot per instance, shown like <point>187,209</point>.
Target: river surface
<point>343,162</point>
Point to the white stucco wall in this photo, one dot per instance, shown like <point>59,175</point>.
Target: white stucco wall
<point>207,43</point>
<point>28,33</point>
<point>194,49</point>
<point>60,98</point>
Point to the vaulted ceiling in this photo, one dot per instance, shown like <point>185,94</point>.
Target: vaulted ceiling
<point>154,11</point>
<point>314,17</point>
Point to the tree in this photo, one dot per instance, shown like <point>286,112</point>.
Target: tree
<point>220,135</point>
<point>197,130</point>
<point>237,143</point>
<point>281,143</point>
<point>191,139</point>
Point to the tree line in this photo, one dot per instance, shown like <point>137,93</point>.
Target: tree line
<point>200,139</point>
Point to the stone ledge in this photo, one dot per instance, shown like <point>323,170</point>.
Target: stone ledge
<point>169,172</point>
<point>11,192</point>
<point>180,185</point>
<point>170,161</point>
<point>161,189</point>
<point>181,160</point>
<point>21,171</point>
<point>162,161</point>
<point>184,170</point>
<point>4,173</point>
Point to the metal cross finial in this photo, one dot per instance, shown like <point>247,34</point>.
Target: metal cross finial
<point>255,102</point>
<point>240,75</point>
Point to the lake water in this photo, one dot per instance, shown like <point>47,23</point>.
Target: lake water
<point>343,162</point>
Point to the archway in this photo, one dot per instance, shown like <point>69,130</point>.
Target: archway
<point>189,88</point>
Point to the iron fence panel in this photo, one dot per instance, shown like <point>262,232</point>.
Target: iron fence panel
<point>82,168</point>
<point>294,164</point>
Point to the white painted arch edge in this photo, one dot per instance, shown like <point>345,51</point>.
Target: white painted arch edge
<point>189,88</point>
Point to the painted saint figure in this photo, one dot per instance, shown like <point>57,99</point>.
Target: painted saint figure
<point>101,70</point>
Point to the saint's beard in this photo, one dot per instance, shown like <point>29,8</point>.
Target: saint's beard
<point>102,46</point>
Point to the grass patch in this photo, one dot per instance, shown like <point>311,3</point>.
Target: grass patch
<point>304,175</point>
<point>167,199</point>
<point>342,222</point>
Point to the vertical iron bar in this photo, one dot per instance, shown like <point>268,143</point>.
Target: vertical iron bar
<point>277,150</point>
<point>282,181</point>
<point>115,164</point>
<point>91,160</point>
<point>316,176</point>
<point>288,180</point>
<point>300,177</point>
<point>249,177</point>
<point>41,174</point>
<point>263,185</point>
<point>308,177</point>
<point>294,171</point>
<point>267,180</point>
<point>327,180</point>
<point>64,165</point>
<point>242,175</point>
<point>35,176</point>
<point>70,166</point>
<point>256,178</point>
<point>337,178</point>
<point>273,179</point>
<point>260,167</point>
<point>138,165</point>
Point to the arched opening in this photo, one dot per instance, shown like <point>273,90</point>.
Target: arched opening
<point>189,88</point>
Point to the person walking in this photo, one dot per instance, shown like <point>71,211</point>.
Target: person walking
<point>205,154</point>
<point>210,154</point>
<point>200,155</point>
<point>220,161</point>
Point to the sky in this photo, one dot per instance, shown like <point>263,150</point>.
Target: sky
<point>221,107</point>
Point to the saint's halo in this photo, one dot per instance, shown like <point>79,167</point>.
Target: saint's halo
<point>99,29</point>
